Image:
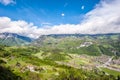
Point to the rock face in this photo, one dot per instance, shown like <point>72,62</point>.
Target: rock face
<point>12,39</point>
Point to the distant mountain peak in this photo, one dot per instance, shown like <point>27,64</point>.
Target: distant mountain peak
<point>14,39</point>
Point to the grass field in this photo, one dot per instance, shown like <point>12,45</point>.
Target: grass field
<point>111,72</point>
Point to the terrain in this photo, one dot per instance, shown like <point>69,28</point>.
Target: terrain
<point>62,57</point>
<point>12,39</point>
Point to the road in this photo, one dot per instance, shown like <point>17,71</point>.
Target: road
<point>107,65</point>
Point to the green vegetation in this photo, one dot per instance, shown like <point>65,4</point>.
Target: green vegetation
<point>7,74</point>
<point>92,50</point>
<point>12,39</point>
<point>61,58</point>
<point>76,44</point>
<point>111,72</point>
<point>21,63</point>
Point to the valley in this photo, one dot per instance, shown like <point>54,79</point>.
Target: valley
<point>59,39</point>
<point>62,57</point>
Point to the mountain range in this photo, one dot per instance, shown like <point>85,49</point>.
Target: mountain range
<point>57,56</point>
<point>13,39</point>
<point>91,44</point>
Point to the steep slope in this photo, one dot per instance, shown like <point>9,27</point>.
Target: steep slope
<point>12,39</point>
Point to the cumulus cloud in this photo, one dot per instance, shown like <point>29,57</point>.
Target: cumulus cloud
<point>104,18</point>
<point>6,2</point>
<point>20,27</point>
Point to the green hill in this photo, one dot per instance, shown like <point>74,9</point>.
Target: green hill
<point>18,63</point>
<point>12,39</point>
<point>81,44</point>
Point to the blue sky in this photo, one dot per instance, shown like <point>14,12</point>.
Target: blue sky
<point>33,18</point>
<point>52,12</point>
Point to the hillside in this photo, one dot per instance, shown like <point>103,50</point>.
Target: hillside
<point>61,57</point>
<point>94,45</point>
<point>28,63</point>
<point>12,39</point>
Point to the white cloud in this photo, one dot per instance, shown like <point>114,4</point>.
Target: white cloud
<point>82,7</point>
<point>62,14</point>
<point>20,27</point>
<point>104,18</point>
<point>6,2</point>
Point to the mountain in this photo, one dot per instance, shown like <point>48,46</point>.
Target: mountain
<point>12,39</point>
<point>61,57</point>
<point>91,44</point>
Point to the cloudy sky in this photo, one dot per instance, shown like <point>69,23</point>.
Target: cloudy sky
<point>37,17</point>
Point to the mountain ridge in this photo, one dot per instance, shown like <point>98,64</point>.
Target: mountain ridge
<point>81,43</point>
<point>13,39</point>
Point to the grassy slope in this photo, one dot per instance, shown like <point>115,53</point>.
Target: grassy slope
<point>69,44</point>
<point>111,72</point>
<point>47,68</point>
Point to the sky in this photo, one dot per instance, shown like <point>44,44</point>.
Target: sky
<point>33,18</point>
